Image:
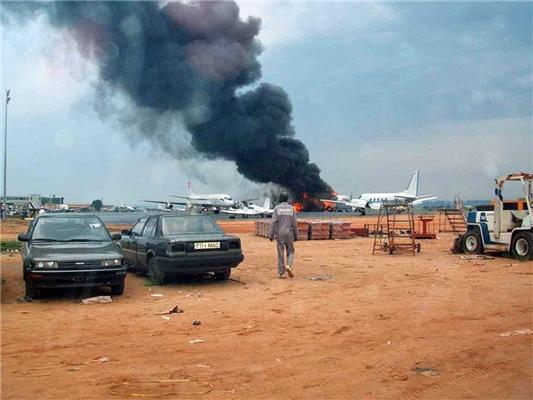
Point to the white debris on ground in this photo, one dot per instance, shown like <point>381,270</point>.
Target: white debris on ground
<point>97,299</point>
<point>517,332</point>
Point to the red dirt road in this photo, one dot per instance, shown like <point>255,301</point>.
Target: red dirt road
<point>359,334</point>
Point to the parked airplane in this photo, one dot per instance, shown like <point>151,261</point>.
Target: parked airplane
<point>250,210</point>
<point>167,205</point>
<point>213,201</point>
<point>373,201</point>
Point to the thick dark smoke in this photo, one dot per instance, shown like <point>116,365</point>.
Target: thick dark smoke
<point>193,59</point>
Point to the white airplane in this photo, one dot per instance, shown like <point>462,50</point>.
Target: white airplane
<point>373,201</point>
<point>167,205</point>
<point>250,210</point>
<point>214,201</point>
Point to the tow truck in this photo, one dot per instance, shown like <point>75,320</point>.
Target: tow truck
<point>504,226</point>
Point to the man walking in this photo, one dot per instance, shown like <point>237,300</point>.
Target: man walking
<point>285,230</point>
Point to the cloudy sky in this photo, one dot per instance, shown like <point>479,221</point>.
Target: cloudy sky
<point>378,90</point>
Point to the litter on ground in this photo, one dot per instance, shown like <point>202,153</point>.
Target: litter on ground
<point>477,257</point>
<point>517,332</point>
<point>174,310</point>
<point>97,299</point>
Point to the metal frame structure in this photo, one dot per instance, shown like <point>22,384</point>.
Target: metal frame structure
<point>399,234</point>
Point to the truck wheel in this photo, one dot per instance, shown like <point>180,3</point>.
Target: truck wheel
<point>522,246</point>
<point>154,274</point>
<point>223,275</point>
<point>472,243</point>
<point>117,290</point>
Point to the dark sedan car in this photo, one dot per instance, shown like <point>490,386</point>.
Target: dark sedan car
<point>166,245</point>
<point>71,250</point>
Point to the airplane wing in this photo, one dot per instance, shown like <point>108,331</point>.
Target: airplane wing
<point>199,203</point>
<point>336,201</point>
<point>421,200</point>
<point>403,196</point>
<point>162,202</point>
<point>230,211</point>
<point>354,204</point>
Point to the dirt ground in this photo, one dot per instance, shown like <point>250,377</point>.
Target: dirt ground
<point>399,327</point>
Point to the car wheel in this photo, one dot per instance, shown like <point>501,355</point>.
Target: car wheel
<point>472,243</point>
<point>154,273</point>
<point>223,275</point>
<point>522,246</point>
<point>117,290</point>
<point>31,291</point>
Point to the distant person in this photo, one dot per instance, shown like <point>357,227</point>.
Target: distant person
<point>285,230</point>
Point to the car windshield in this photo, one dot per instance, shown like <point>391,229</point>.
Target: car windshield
<point>186,225</point>
<point>70,229</point>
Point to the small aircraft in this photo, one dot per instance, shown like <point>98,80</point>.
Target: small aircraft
<point>373,201</point>
<point>247,209</point>
<point>212,201</point>
<point>126,207</point>
<point>167,205</point>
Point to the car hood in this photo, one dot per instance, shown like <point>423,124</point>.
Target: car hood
<point>199,237</point>
<point>74,251</point>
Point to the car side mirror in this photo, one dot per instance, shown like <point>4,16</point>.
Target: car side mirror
<point>23,237</point>
<point>126,232</point>
<point>116,236</point>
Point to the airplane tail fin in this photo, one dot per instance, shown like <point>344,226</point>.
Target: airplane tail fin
<point>412,189</point>
<point>189,188</point>
<point>266,206</point>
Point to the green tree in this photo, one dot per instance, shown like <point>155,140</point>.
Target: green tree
<point>97,204</point>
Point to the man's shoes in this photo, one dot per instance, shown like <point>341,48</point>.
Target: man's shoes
<point>288,269</point>
<point>282,276</point>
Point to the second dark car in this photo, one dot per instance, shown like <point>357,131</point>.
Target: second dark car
<point>167,245</point>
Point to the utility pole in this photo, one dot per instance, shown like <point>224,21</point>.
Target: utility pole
<point>5,154</point>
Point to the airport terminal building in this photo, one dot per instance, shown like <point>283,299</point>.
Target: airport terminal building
<point>31,201</point>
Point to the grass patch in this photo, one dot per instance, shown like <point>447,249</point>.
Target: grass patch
<point>150,283</point>
<point>10,245</point>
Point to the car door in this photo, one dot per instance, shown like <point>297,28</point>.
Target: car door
<point>145,240</point>
<point>129,243</point>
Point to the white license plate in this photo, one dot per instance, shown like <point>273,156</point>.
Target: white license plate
<point>207,245</point>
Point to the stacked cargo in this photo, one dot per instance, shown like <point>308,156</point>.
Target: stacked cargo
<point>311,229</point>
<point>340,230</point>
<point>303,230</point>
<point>262,228</point>
<point>318,230</point>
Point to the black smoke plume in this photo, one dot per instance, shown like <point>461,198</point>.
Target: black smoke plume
<point>194,59</point>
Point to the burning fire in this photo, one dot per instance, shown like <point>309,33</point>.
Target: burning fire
<point>309,202</point>
<point>298,207</point>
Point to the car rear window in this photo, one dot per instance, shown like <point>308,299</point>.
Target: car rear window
<point>186,225</point>
<point>63,229</point>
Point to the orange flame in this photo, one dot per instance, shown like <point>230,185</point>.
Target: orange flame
<point>298,207</point>
<point>328,205</point>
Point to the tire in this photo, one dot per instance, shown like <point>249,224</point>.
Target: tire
<point>31,291</point>
<point>223,275</point>
<point>472,243</point>
<point>117,290</point>
<point>154,273</point>
<point>522,246</point>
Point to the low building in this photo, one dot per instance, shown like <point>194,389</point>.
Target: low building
<point>31,201</point>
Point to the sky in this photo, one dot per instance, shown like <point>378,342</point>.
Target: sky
<point>378,90</point>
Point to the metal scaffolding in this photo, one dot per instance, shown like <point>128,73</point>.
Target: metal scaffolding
<point>398,234</point>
